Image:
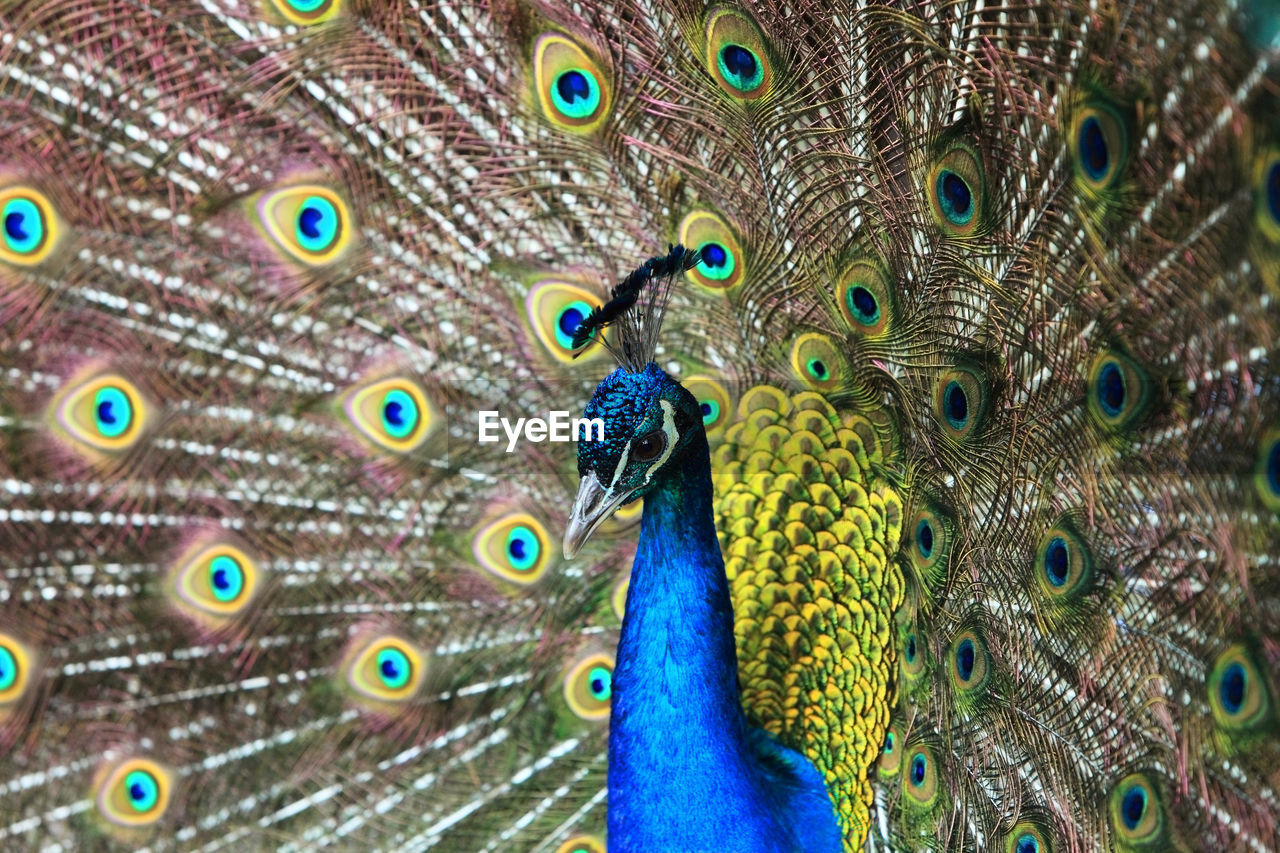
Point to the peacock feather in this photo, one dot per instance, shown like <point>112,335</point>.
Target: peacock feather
<point>935,492</point>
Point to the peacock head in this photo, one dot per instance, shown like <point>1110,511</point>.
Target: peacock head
<point>649,422</point>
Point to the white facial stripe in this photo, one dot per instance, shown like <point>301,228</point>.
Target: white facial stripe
<point>622,466</point>
<point>669,427</point>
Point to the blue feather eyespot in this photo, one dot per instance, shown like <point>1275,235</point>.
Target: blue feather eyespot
<point>1266,477</point>
<point>16,663</point>
<point>970,663</point>
<point>818,362</point>
<point>713,400</point>
<point>865,298</point>
<point>736,56</point>
<point>311,223</point>
<point>956,191</point>
<point>717,262</point>
<point>1100,146</point>
<point>924,538</point>
<point>1056,561</point>
<point>920,776</point>
<point>104,413</point>
<point>213,582</point>
<point>1064,565</point>
<point>1266,194</point>
<point>959,401</point>
<point>29,229</point>
<point>1119,391</point>
<point>1026,837</point>
<point>8,669</point>
<point>582,844</point>
<point>133,793</point>
<point>1239,696</point>
<point>954,198</point>
<point>514,547</point>
<point>588,687</point>
<point>391,414</point>
<point>740,68</point>
<point>571,87</point>
<point>384,670</point>
<point>912,656</point>
<point>723,265</point>
<point>575,93</point>
<point>929,543</point>
<point>400,414</point>
<point>523,548</point>
<point>1137,813</point>
<point>555,308</point>
<point>955,405</point>
<point>307,12</point>
<point>317,224</point>
<point>890,755</point>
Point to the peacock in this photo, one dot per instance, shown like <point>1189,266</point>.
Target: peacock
<point>923,484</point>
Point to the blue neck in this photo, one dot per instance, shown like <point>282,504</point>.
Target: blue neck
<point>685,770</point>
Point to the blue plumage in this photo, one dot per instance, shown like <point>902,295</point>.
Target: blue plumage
<point>686,771</point>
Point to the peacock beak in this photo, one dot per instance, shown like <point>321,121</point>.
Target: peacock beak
<point>591,507</point>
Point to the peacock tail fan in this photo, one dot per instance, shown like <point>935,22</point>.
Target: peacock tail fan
<point>981,329</point>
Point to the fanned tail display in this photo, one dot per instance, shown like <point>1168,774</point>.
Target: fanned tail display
<point>958,447</point>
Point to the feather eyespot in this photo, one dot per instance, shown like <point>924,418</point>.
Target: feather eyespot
<point>920,776</point>
<point>1119,391</point>
<point>890,755</point>
<point>571,87</point>
<point>970,663</point>
<point>928,545</point>
<point>1026,837</point>
<point>924,538</point>
<point>214,582</point>
<point>555,309</point>
<point>588,687</point>
<point>311,223</point>
<point>722,265</point>
<point>959,400</point>
<point>736,55</point>
<point>133,793</point>
<point>307,12</point>
<point>385,669</point>
<point>1064,566</point>
<point>1266,477</point>
<point>393,414</point>
<point>15,671</point>
<point>913,656</point>
<point>28,226</point>
<point>1267,194</point>
<point>1238,693</point>
<point>1100,146</point>
<point>582,844</point>
<point>956,191</point>
<point>713,402</point>
<point>864,296</point>
<point>514,548</point>
<point>817,362</point>
<point>1137,814</point>
<point>105,412</point>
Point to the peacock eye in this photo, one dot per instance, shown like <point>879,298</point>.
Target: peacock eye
<point>648,447</point>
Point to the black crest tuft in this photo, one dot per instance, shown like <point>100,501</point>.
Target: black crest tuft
<point>637,337</point>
